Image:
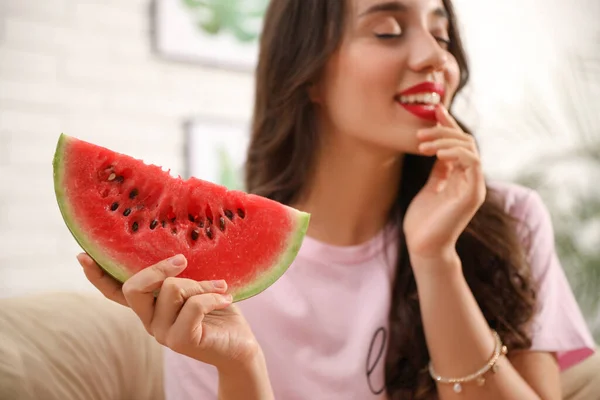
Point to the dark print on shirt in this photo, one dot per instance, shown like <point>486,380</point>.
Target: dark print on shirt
<point>374,360</point>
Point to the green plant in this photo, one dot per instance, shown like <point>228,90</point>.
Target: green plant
<point>241,18</point>
<point>229,176</point>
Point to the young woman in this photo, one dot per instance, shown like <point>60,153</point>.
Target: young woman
<point>414,271</point>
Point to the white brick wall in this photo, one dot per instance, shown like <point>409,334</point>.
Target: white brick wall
<point>85,68</point>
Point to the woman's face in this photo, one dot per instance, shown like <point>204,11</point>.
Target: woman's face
<point>392,67</point>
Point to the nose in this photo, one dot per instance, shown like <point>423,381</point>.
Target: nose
<point>426,54</point>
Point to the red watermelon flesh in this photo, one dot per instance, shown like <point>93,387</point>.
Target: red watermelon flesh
<point>128,215</point>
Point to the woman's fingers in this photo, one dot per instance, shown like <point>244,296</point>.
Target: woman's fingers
<point>439,175</point>
<point>139,289</point>
<point>451,160</point>
<point>173,295</point>
<point>106,284</point>
<point>187,329</point>
<point>431,148</point>
<point>445,119</point>
<point>470,163</point>
<point>460,155</point>
<point>441,132</point>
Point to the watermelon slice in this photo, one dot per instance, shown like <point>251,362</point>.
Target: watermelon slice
<point>128,215</point>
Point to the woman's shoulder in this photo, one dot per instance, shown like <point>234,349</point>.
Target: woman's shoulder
<point>518,200</point>
<point>559,325</point>
<point>533,225</point>
<point>526,206</point>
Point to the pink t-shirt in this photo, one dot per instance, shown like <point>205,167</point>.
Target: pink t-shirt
<point>323,325</point>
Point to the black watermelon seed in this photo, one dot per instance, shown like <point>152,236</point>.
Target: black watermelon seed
<point>153,224</point>
<point>229,214</point>
<point>241,213</point>
<point>201,223</point>
<point>209,233</point>
<point>133,193</point>
<point>222,223</point>
<point>209,219</point>
<point>164,224</point>
<point>191,217</point>
<point>173,219</point>
<point>119,179</point>
<point>195,235</point>
<point>174,231</point>
<point>134,226</point>
<point>127,212</point>
<point>114,206</point>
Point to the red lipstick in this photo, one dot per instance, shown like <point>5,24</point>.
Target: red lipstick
<point>421,99</point>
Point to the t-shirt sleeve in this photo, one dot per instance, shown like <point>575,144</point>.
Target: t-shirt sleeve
<point>558,325</point>
<point>188,379</point>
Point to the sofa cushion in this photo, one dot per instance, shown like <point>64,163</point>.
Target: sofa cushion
<point>73,346</point>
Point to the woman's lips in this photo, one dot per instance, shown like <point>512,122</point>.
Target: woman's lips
<point>422,99</point>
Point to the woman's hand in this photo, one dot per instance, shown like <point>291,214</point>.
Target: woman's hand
<point>192,318</point>
<point>455,190</point>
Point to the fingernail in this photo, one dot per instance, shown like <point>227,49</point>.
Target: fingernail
<point>220,284</point>
<point>177,261</point>
<point>228,298</point>
<point>80,258</point>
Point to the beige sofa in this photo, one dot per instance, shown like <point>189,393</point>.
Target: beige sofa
<point>74,346</point>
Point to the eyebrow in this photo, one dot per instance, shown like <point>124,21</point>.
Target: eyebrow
<point>396,6</point>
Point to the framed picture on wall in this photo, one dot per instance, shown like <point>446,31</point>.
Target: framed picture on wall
<point>220,33</point>
<point>216,150</point>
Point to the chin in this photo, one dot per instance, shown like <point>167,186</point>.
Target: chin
<point>397,146</point>
<point>416,117</point>
<point>403,140</point>
<point>393,138</point>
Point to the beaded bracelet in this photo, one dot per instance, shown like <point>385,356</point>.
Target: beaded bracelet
<point>477,376</point>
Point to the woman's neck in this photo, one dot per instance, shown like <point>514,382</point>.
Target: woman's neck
<point>350,192</point>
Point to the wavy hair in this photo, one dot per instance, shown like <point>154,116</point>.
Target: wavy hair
<point>297,40</point>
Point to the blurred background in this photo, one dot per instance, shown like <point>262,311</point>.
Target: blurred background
<point>171,82</point>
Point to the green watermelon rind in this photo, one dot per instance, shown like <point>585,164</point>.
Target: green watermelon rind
<point>270,275</point>
<point>267,277</point>
<point>114,270</point>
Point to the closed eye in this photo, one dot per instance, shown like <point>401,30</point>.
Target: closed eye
<point>445,43</point>
<point>388,28</point>
<point>388,35</point>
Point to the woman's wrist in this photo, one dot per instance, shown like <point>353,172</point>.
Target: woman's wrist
<point>441,265</point>
<point>248,380</point>
<point>248,366</point>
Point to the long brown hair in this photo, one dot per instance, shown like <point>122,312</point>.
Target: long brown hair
<point>297,40</point>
